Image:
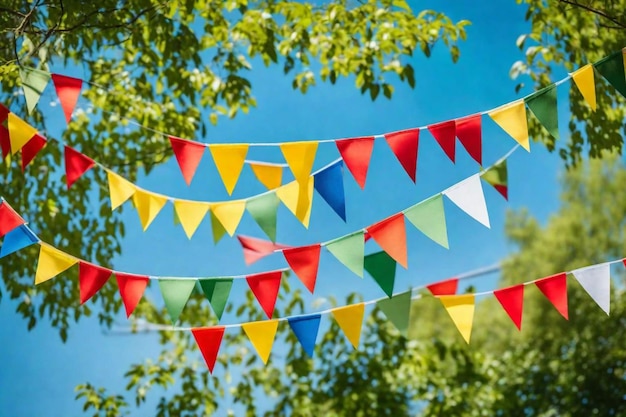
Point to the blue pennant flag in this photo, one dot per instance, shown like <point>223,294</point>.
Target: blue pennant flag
<point>305,329</point>
<point>17,239</point>
<point>329,184</point>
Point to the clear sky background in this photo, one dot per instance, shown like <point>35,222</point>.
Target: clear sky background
<point>39,372</point>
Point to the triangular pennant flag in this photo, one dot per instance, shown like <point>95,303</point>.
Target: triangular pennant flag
<point>188,155</point>
<point>51,263</point>
<point>329,184</point>
<point>216,228</point>
<point>16,240</point>
<point>554,288</point>
<point>512,301</point>
<point>304,261</point>
<point>217,292</point>
<point>20,132</point>
<point>298,198</point>
<point>445,133</point>
<point>469,132</point>
<point>382,268</point>
<point>255,249</point>
<point>91,278</point>
<point>468,196</point>
<point>356,154</point>
<point>76,164</point>
<point>350,251</point>
<point>209,340</point>
<point>461,311</point>
<point>148,206</point>
<point>512,119</point>
<point>305,328</point>
<point>270,175</point>
<point>350,319</point>
<point>264,210</point>
<point>5,141</point>
<point>404,146</point>
<point>175,293</point>
<point>585,81</point>
<point>398,311</point>
<point>190,214</point>
<point>131,289</point>
<point>31,149</point>
<point>4,113</point>
<point>265,288</point>
<point>261,335</point>
<point>9,219</point>
<point>447,287</point>
<point>33,83</point>
<point>543,105</point>
<point>429,218</point>
<point>596,280</point>
<point>300,157</point>
<point>229,214</point>
<point>497,176</point>
<point>68,91</point>
<point>120,189</point>
<point>229,160</point>
<point>390,234</point>
<point>612,69</point>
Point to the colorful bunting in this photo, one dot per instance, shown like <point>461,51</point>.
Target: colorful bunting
<point>264,210</point>
<point>612,69</point>
<point>265,288</point>
<point>120,189</point>
<point>329,184</point>
<point>131,289</point>
<point>217,292</point>
<point>91,278</point>
<point>298,198</point>
<point>350,320</point>
<point>585,81</point>
<point>190,214</point>
<point>261,335</point>
<point>349,250</point>
<point>305,328</point>
<point>554,288</point>
<point>20,132</point>
<point>429,218</point>
<point>148,206</point>
<point>382,268</point>
<point>188,155</point>
<point>304,261</point>
<point>468,196</point>
<point>17,239</point>
<point>404,146</point>
<point>270,175</point>
<point>512,301</point>
<point>229,214</point>
<point>9,219</point>
<point>461,311</point>
<point>300,157</point>
<point>447,287</point>
<point>33,83</point>
<point>497,176</point>
<point>229,160</point>
<point>51,263</point>
<point>5,141</point>
<point>469,132</point>
<point>175,293</point>
<point>216,228</point>
<point>255,249</point>
<point>209,340</point>
<point>512,119</point>
<point>596,280</point>
<point>31,149</point>
<point>445,133</point>
<point>543,105</point>
<point>356,153</point>
<point>398,311</point>
<point>76,164</point>
<point>390,234</point>
<point>68,91</point>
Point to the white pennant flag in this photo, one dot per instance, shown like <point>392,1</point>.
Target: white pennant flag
<point>468,196</point>
<point>596,280</point>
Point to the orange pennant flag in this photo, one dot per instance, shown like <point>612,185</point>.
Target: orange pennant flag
<point>390,234</point>
<point>270,175</point>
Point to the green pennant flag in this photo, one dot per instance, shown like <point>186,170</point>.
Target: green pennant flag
<point>612,69</point>
<point>217,292</point>
<point>398,309</point>
<point>497,176</point>
<point>429,218</point>
<point>543,105</point>
<point>349,250</point>
<point>263,210</point>
<point>382,268</point>
<point>217,228</point>
<point>33,83</point>
<point>175,293</point>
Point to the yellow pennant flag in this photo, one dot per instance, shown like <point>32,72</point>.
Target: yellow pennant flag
<point>229,214</point>
<point>585,81</point>
<point>461,310</point>
<point>300,157</point>
<point>512,118</point>
<point>261,335</point>
<point>120,189</point>
<point>51,263</point>
<point>148,205</point>
<point>271,176</point>
<point>190,214</point>
<point>298,198</point>
<point>20,132</point>
<point>229,160</point>
<point>350,319</point>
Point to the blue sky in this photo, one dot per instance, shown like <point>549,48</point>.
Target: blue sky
<point>40,373</point>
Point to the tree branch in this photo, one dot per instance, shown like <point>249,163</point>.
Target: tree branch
<point>601,13</point>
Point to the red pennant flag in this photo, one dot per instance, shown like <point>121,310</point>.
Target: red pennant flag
<point>469,132</point>
<point>68,90</point>
<point>390,234</point>
<point>265,287</point>
<point>366,236</point>
<point>91,278</point>
<point>209,340</point>
<point>131,289</point>
<point>404,146</point>
<point>356,153</point>
<point>445,133</point>
<point>5,141</point>
<point>4,113</point>
<point>188,155</point>
<point>31,149</point>
<point>76,164</point>
<point>555,289</point>
<point>304,261</point>
<point>447,287</point>
<point>9,219</point>
<point>255,249</point>
<point>512,300</point>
